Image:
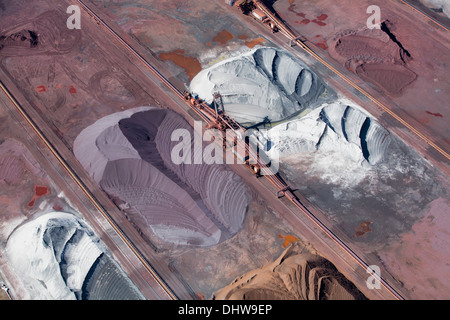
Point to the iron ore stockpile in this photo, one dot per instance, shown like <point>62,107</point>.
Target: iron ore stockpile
<point>298,274</point>
<point>129,155</point>
<point>263,85</point>
<point>376,56</point>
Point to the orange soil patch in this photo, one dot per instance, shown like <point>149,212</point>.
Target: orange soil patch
<point>223,37</point>
<point>200,296</point>
<point>322,45</point>
<point>190,64</point>
<point>363,228</point>
<point>251,44</point>
<point>288,239</point>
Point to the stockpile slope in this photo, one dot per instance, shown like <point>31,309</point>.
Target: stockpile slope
<point>129,154</point>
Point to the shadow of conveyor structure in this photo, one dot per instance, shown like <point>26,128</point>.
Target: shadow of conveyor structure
<point>386,28</point>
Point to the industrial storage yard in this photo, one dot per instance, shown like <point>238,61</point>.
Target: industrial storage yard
<point>95,207</point>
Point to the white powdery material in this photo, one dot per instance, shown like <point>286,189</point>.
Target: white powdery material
<point>438,4</point>
<point>264,84</point>
<point>40,249</point>
<point>332,127</point>
<point>339,142</point>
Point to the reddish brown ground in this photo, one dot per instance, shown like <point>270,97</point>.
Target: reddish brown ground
<point>363,228</point>
<point>190,64</point>
<point>39,191</point>
<point>437,114</point>
<point>322,17</point>
<point>288,239</point>
<point>251,44</point>
<point>392,78</point>
<point>72,90</point>
<point>40,89</point>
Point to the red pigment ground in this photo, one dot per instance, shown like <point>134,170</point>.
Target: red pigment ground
<point>57,207</point>
<point>374,61</point>
<point>319,23</point>
<point>322,45</point>
<point>321,42</point>
<point>292,9</point>
<point>72,90</point>
<point>190,64</point>
<point>435,114</point>
<point>40,89</point>
<point>319,20</point>
<point>39,191</point>
<point>322,17</point>
<point>363,228</point>
<point>391,77</point>
<point>304,21</point>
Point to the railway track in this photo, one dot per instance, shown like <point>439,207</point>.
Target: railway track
<point>205,113</point>
<point>87,192</point>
